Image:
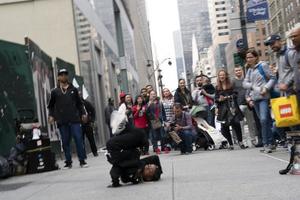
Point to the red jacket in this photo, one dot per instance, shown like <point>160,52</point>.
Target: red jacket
<point>139,117</point>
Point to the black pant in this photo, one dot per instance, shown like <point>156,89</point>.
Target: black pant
<point>146,135</point>
<point>226,132</point>
<point>110,130</point>
<point>125,165</point>
<point>131,138</point>
<point>87,130</point>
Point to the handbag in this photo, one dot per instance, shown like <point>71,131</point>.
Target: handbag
<point>175,137</point>
<point>155,124</point>
<point>286,111</point>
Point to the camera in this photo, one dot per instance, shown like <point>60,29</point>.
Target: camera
<point>172,126</point>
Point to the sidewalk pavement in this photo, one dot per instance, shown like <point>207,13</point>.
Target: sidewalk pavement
<point>206,175</point>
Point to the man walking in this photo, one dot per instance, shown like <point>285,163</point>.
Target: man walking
<point>66,108</point>
<point>88,126</point>
<point>294,58</point>
<point>285,70</point>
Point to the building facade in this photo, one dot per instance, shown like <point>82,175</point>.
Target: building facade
<point>96,36</point>
<point>180,65</point>
<point>142,41</point>
<point>193,16</point>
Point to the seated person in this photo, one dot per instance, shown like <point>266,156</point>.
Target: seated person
<point>124,155</point>
<point>182,125</point>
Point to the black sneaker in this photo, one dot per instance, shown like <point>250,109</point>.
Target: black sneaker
<point>230,148</point>
<point>95,154</point>
<point>259,145</point>
<point>114,185</point>
<point>284,171</point>
<point>67,166</point>
<point>83,164</point>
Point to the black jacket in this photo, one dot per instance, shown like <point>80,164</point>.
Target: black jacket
<point>90,111</point>
<point>183,99</point>
<point>66,107</point>
<point>228,109</point>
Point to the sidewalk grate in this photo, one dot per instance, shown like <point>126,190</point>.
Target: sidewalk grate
<point>13,186</point>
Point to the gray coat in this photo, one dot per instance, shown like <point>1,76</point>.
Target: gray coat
<point>294,58</point>
<point>285,69</point>
<point>254,81</point>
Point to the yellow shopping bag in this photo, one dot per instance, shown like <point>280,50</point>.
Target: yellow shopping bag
<point>286,111</point>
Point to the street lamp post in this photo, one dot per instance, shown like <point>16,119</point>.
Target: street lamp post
<point>159,77</point>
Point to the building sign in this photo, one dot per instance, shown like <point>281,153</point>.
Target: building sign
<point>257,10</point>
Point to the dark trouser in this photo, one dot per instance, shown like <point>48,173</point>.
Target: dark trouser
<point>88,131</point>
<point>146,135</point>
<point>211,116</point>
<point>110,130</point>
<point>187,140</point>
<point>156,135</point>
<point>132,139</point>
<point>237,129</point>
<point>72,130</point>
<point>125,163</point>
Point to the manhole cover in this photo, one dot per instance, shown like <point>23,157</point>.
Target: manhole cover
<point>13,186</point>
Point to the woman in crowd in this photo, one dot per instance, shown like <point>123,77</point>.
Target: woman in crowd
<point>168,102</point>
<point>260,80</point>
<point>156,116</point>
<point>228,111</point>
<point>128,102</point>
<point>183,95</point>
<point>140,119</point>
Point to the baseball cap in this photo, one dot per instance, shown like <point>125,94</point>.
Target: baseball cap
<point>271,39</point>
<point>62,71</point>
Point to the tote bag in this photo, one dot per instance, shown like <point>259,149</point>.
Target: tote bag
<point>286,111</point>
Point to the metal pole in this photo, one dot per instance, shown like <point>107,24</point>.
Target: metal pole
<point>243,24</point>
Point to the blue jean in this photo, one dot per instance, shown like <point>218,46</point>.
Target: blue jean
<point>263,111</point>
<point>72,130</point>
<point>156,135</point>
<point>187,140</point>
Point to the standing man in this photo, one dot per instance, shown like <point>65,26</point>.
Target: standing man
<point>285,70</point>
<point>294,59</point>
<point>198,97</point>
<point>144,94</point>
<point>66,108</point>
<point>249,138</point>
<point>88,126</point>
<point>108,110</point>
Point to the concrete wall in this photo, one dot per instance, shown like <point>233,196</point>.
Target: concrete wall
<point>50,23</point>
